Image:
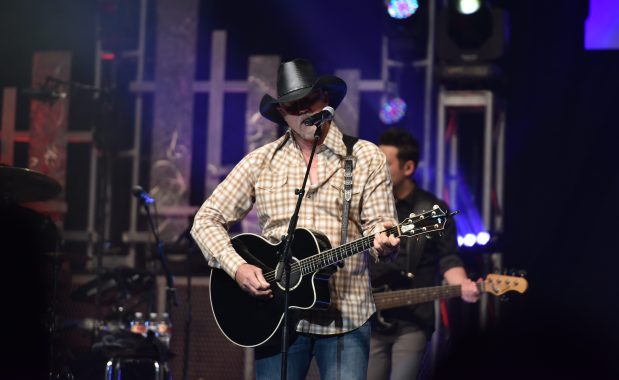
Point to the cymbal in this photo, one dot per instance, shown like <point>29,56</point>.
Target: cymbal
<point>25,185</point>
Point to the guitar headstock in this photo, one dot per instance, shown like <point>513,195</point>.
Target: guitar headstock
<point>499,284</point>
<point>424,223</point>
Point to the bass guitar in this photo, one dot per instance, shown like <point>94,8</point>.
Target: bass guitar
<point>496,284</point>
<point>249,321</point>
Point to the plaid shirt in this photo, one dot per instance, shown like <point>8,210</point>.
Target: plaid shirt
<point>268,177</point>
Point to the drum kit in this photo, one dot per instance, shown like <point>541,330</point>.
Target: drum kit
<point>30,233</point>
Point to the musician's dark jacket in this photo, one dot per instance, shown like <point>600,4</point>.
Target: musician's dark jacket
<point>437,255</point>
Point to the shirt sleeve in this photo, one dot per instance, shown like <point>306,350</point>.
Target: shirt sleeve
<point>231,200</point>
<point>378,204</point>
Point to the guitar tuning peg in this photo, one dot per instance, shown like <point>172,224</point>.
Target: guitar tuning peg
<point>522,273</point>
<point>512,273</point>
<point>429,237</point>
<point>412,215</point>
<point>503,298</point>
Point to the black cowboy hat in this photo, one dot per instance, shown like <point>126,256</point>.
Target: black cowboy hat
<point>295,80</point>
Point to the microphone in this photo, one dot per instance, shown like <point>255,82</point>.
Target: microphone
<point>142,195</point>
<point>44,94</point>
<point>326,114</point>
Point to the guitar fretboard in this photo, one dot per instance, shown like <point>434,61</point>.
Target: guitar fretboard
<point>398,298</point>
<point>329,257</point>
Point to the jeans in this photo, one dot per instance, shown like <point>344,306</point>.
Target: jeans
<point>342,356</point>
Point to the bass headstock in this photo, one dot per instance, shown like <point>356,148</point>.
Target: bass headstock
<point>499,284</point>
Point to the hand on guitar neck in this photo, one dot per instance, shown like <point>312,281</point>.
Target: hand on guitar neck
<point>386,245</point>
<point>469,290</point>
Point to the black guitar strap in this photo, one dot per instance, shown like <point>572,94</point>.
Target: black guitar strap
<point>350,142</point>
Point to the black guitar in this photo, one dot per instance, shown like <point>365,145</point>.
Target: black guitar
<point>249,321</point>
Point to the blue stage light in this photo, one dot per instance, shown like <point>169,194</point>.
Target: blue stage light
<point>460,241</point>
<point>392,110</point>
<point>467,7</point>
<point>401,9</point>
<point>483,238</point>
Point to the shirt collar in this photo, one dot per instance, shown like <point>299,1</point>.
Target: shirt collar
<point>333,141</point>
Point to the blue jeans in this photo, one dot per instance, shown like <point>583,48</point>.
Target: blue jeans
<point>343,356</point>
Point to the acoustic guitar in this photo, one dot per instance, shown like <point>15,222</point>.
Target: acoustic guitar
<point>249,321</point>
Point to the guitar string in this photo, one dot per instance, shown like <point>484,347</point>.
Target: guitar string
<point>323,259</point>
<point>326,258</point>
<point>319,260</point>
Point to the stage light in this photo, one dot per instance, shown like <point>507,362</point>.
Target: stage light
<point>460,241</point>
<point>483,238</point>
<point>392,109</point>
<point>469,240</point>
<point>471,37</point>
<point>467,7</point>
<point>401,9</point>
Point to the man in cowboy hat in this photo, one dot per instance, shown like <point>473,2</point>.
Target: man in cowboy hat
<point>266,179</point>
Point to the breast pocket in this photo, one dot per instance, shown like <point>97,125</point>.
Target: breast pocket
<point>271,194</point>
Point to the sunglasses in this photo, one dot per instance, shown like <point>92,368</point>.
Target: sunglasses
<point>298,106</point>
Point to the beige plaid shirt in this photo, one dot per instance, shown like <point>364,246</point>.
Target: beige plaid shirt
<point>268,177</point>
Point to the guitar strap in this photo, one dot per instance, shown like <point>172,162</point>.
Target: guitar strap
<point>350,142</point>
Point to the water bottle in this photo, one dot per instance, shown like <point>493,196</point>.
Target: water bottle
<point>164,329</point>
<point>152,324</point>
<point>138,324</point>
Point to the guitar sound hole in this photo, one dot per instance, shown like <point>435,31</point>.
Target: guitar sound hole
<point>295,276</point>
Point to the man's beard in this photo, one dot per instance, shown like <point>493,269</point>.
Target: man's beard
<point>305,132</point>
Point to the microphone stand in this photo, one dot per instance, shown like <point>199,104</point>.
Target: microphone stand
<point>284,258</point>
<point>170,290</point>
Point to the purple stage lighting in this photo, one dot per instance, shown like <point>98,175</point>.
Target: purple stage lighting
<point>392,110</point>
<point>602,26</point>
<point>401,9</point>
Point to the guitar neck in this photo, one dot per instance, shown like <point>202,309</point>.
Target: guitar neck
<point>436,218</point>
<point>398,298</point>
<point>332,256</point>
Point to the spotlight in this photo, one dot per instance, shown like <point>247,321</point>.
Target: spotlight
<point>467,7</point>
<point>483,238</point>
<point>401,9</point>
<point>469,240</point>
<point>471,37</point>
<point>392,109</point>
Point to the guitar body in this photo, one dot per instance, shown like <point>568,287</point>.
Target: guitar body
<point>249,321</point>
